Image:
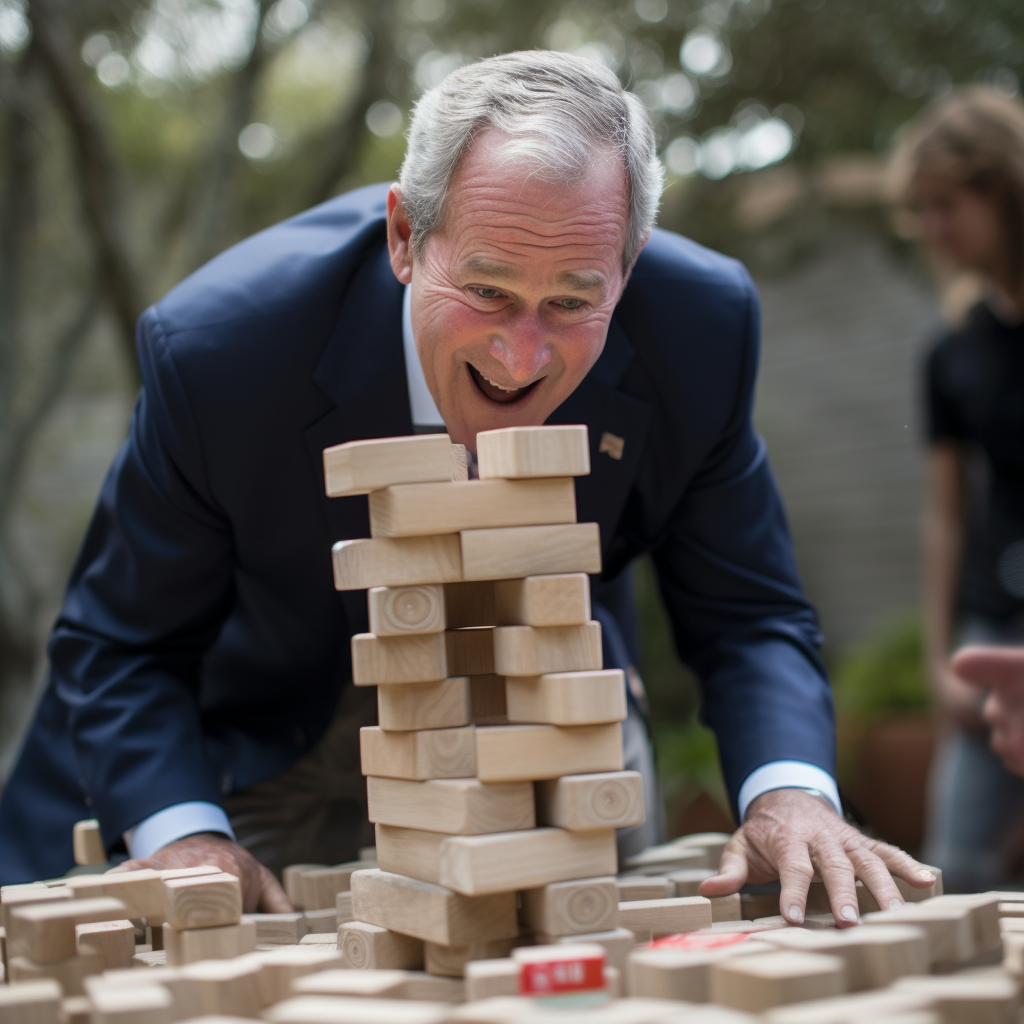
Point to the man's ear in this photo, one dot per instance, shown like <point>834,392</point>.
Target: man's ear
<point>399,235</point>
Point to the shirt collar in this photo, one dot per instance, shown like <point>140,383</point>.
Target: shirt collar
<point>425,416</point>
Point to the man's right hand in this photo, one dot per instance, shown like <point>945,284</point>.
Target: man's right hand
<point>1001,671</point>
<point>260,890</point>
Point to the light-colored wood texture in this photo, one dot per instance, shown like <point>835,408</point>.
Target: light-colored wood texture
<point>322,921</point>
<point>644,887</point>
<point>364,946</point>
<point>469,604</point>
<point>757,983</point>
<point>517,551</point>
<point>562,599</point>
<point>291,882</point>
<point>536,650</point>
<point>508,753</point>
<point>87,842</point>
<point>681,973</point>
<point>950,930</point>
<point>413,852</point>
<point>460,464</point>
<point>207,869</point>
<point>421,754</point>
<point>360,467</point>
<point>403,562</point>
<point>889,1006</point>
<point>452,806</point>
<point>514,453</point>
<point>183,992</point>
<point>487,700</point>
<point>470,651</point>
<point>320,886</point>
<point>420,510</point>
<point>700,850</point>
<point>354,1010</point>
<point>112,941</point>
<point>573,907</point>
<point>353,982</point>
<point>983,910</point>
<point>665,916</point>
<point>70,972</point>
<point>149,1004</point>
<point>688,880</point>
<point>36,1002</point>
<point>486,978</point>
<point>567,698</point>
<point>968,1000</point>
<point>451,960</point>
<point>430,912</point>
<point>194,944</point>
<point>396,611</point>
<point>417,658</point>
<point>226,986</point>
<point>45,932</point>
<point>443,704</point>
<point>597,800</point>
<point>723,908</point>
<point>343,903</point>
<point>616,943</point>
<point>205,901</point>
<point>278,929</point>
<point>141,891</point>
<point>279,968</point>
<point>25,895</point>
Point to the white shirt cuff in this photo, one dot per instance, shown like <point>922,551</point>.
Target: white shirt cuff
<point>787,775</point>
<point>175,822</point>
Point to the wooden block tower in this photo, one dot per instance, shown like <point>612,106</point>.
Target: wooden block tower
<point>496,767</point>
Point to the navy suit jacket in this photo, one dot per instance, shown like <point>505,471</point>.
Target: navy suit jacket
<point>202,646</point>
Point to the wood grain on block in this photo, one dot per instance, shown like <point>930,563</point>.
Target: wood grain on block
<point>360,467</point>
<point>452,806</point>
<point>396,611</point>
<point>644,887</point>
<point>112,941</point>
<point>430,912</point>
<point>354,982</point>
<point>291,882</point>
<point>278,929</point>
<point>616,943</point>
<point>665,916</point>
<point>508,753</point>
<point>279,968</point>
<point>486,978</point>
<point>419,754</point>
<point>147,1004</point>
<point>343,903</point>
<point>23,896</point>
<point>682,973</point>
<point>202,869</point>
<point>757,983</point>
<point>562,599</point>
<point>469,604</point>
<point>536,650</point>
<point>36,1002</point>
<point>401,562</point>
<point>885,1006</point>
<point>573,907</point>
<point>451,961</point>
<point>567,698</point>
<point>419,510</point>
<point>420,985</point>
<point>417,658</point>
<point>320,886</point>
<point>514,453</point>
<point>354,1010</point>
<point>203,901</point>
<point>596,800</point>
<point>141,891</point>
<point>487,704</point>
<point>87,842</point>
<point>723,908</point>
<point>151,959</point>
<point>965,999</point>
<point>227,986</point>
<point>470,651</point>
<point>950,930</point>
<point>410,851</point>
<point>983,910</point>
<point>368,946</point>
<point>321,922</point>
<point>70,972</point>
<point>762,924</point>
<point>194,944</point>
<point>320,939</point>
<point>516,551</point>
<point>45,932</point>
<point>442,704</point>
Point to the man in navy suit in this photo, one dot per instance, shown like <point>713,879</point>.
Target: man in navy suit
<point>201,690</point>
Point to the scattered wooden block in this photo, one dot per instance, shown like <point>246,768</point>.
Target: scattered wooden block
<point>280,968</point>
<point>149,960</point>
<point>487,700</point>
<point>112,941</point>
<point>26,895</point>
<point>430,912</point>
<point>754,906</point>
<point>724,908</point>
<point>950,930</point>
<point>688,880</point>
<point>486,978</point>
<point>450,961</point>
<point>226,986</point>
<point>452,806</point>
<point>983,910</point>
<point>419,985</point>
<point>278,929</point>
<point>757,983</point>
<point>402,562</point>
<point>516,551</point>
<point>418,510</point>
<point>208,869</point>
<point>360,467</point>
<point>342,1010</point>
<point>343,906</point>
<point>515,453</point>
<point>597,800</point>
<point>203,901</point>
<point>87,843</point>
<point>682,973</point>
<point>616,943</point>
<point>509,753</point>
<point>319,939</point>
<point>416,658</point>
<point>537,650</point>
<point>291,882</point>
<point>194,944</point>
<point>470,651</point>
<point>573,907</point>
<point>320,886</point>
<point>36,1002</point>
<point>70,972</point>
<point>469,604</point>
<point>141,891</point>
<point>963,999</point>
<point>147,1004</point>
<point>76,1010</point>
<point>324,921</point>
<point>762,924</point>
<point>45,932</point>
<point>887,1007</point>
<point>358,982</point>
<point>660,860</point>
<point>644,887</point>
<point>364,946</point>
<point>567,698</point>
<point>665,916</point>
<point>397,611</point>
<point>562,599</point>
<point>443,704</point>
<point>421,754</point>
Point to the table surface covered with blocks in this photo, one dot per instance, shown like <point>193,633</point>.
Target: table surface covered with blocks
<point>495,782</point>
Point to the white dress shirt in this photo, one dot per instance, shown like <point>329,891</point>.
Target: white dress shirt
<point>186,819</point>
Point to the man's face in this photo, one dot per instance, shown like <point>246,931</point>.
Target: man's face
<point>512,296</point>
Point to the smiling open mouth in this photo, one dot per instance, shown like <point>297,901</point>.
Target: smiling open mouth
<point>497,392</point>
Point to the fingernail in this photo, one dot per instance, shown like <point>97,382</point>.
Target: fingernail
<point>848,913</point>
<point>796,914</point>
<point>895,904</point>
<point>926,876</point>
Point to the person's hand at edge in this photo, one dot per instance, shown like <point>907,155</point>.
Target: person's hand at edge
<point>791,835</point>
<point>1001,670</point>
<point>260,889</point>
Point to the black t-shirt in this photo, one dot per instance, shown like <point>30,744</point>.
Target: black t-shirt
<point>975,394</point>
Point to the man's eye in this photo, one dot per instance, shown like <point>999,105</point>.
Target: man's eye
<point>487,293</point>
<point>571,303</point>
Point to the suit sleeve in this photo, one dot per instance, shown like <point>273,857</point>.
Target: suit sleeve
<point>147,596</point>
<point>728,576</point>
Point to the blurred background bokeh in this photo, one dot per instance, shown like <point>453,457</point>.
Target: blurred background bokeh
<point>138,138</point>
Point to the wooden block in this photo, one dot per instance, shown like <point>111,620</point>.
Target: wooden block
<point>141,891</point>
<point>397,611</point>
<point>452,806</point>
<point>432,987</point>
<point>371,984</point>
<point>412,852</point>
<point>147,1004</point>
<point>112,941</point>
<point>562,599</point>
<point>757,983</point>
<point>567,698</point>
<point>536,650</point>
<point>508,753</point>
<point>885,1006</point>
<point>343,906</point>
<point>487,704</point>
<point>682,973</point>
<point>470,651</point>
<point>281,967</point>
<point>70,972</point>
<point>367,853</point>
<point>657,860</point>
<point>419,510</point>
<point>417,658</point>
<point>87,843</point>
<point>516,551</point>
<point>194,944</point>
<point>204,901</point>
<point>342,1010</point>
<point>166,873</point>
<point>597,800</point>
<point>616,943</point>
<point>184,993</point>
<point>688,880</point>
<point>323,921</point>
<point>365,946</point>
<point>26,895</point>
<point>644,887</point>
<point>149,959</point>
<point>573,907</point>
<point>724,908</point>
<point>360,467</point>
<point>320,886</point>
<point>325,938</point>
<point>486,978</point>
<point>76,1010</point>
<point>36,1002</point>
<point>45,932</point>
<point>988,999</point>
<point>443,704</point>
<point>278,929</point>
<point>291,882</point>
<point>460,464</point>
<point>226,986</point>
<point>402,562</point>
<point>469,604</point>
<point>421,754</point>
<point>451,961</point>
<point>430,912</point>
<point>755,905</point>
<point>983,910</point>
<point>762,924</point>
<point>950,930</point>
<point>665,916</point>
<point>515,453</point>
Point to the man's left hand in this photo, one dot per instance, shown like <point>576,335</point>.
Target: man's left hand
<point>792,835</point>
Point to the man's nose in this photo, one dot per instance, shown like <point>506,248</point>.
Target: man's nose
<point>523,349</point>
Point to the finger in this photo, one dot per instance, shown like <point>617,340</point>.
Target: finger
<point>840,882</point>
<point>871,870</point>
<point>795,874</point>
<point>989,666</point>
<point>272,897</point>
<point>733,869</point>
<point>902,865</point>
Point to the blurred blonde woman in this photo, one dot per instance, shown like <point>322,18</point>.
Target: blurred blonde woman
<point>962,165</point>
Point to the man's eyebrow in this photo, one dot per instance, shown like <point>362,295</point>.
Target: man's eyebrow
<point>491,268</point>
<point>585,280</point>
